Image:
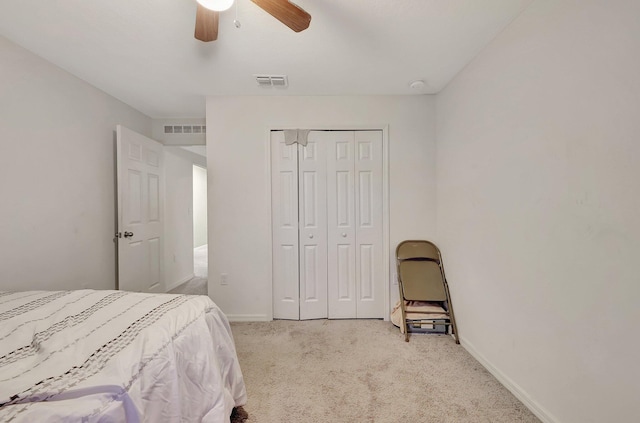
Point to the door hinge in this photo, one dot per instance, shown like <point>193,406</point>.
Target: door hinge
<point>118,234</point>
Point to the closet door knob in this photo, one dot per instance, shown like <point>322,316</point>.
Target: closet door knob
<point>310,236</point>
<point>344,234</point>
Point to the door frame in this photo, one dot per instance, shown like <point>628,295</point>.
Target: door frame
<point>385,198</point>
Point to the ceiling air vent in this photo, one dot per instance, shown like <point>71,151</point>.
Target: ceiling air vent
<point>279,81</point>
<point>185,129</point>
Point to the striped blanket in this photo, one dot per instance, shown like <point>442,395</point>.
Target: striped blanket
<point>114,356</point>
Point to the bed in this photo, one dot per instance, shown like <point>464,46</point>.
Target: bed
<point>114,356</point>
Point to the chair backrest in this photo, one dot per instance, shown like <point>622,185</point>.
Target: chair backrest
<point>419,271</point>
<point>416,250</point>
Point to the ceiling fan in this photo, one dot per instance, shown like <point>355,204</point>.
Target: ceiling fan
<point>208,13</point>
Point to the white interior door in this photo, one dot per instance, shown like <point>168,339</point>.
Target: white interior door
<point>284,222</point>
<point>312,189</point>
<point>140,182</point>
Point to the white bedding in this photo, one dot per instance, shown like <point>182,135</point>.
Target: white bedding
<point>113,356</point>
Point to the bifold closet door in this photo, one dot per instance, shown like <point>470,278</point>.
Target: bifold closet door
<point>299,222</point>
<point>354,205</point>
<point>327,226</point>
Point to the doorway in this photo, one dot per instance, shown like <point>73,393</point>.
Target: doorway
<point>155,201</point>
<point>185,223</point>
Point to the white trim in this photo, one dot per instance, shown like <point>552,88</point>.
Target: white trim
<point>385,198</point>
<point>248,318</point>
<point>179,282</point>
<point>513,387</point>
<point>385,221</point>
<point>269,222</point>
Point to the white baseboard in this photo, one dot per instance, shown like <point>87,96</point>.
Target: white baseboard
<point>513,387</point>
<point>248,318</point>
<point>177,283</point>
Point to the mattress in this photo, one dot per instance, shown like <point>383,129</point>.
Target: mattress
<point>114,356</point>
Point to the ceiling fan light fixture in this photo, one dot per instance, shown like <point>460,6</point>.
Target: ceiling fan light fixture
<point>216,5</point>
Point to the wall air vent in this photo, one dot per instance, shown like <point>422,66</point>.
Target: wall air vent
<point>185,129</point>
<point>278,81</point>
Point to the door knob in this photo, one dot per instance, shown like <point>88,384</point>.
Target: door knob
<point>344,234</point>
<point>310,236</point>
<point>128,234</point>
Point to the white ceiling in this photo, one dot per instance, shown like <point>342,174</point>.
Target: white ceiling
<point>144,53</point>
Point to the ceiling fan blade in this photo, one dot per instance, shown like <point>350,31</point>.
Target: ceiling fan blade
<point>206,24</point>
<point>286,12</point>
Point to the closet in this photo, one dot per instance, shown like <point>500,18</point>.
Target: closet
<point>327,225</point>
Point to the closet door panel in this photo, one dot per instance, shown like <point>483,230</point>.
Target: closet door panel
<point>341,224</point>
<point>313,228</point>
<point>284,216</point>
<point>369,256</point>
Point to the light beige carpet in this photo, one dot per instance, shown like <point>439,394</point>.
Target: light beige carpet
<point>362,371</point>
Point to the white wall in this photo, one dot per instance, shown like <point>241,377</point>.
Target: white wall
<point>178,226</point>
<point>199,206</point>
<point>538,202</point>
<point>57,189</point>
<point>238,180</point>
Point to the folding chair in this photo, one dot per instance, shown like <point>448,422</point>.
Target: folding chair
<point>425,303</point>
